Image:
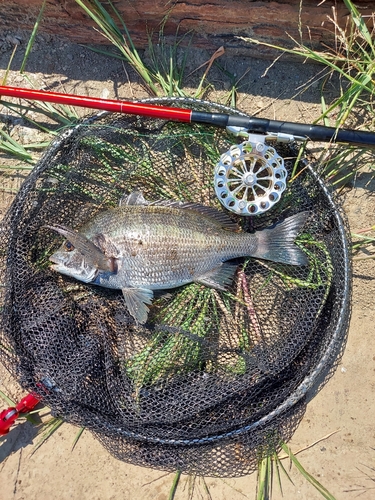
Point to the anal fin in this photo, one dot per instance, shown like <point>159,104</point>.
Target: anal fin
<point>136,300</point>
<point>219,277</point>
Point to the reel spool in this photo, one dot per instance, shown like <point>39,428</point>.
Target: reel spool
<point>250,178</point>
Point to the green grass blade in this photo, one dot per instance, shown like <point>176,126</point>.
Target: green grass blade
<point>13,148</point>
<point>300,155</point>
<point>61,114</point>
<point>104,52</point>
<point>164,74</point>
<point>360,23</point>
<point>38,145</point>
<point>7,399</point>
<point>78,435</point>
<point>311,479</point>
<point>124,27</point>
<point>332,61</point>
<point>32,37</point>
<point>110,30</point>
<point>325,112</point>
<point>173,489</point>
<point>264,479</point>
<point>47,430</point>
<point>280,467</point>
<point>206,489</point>
<point>8,66</point>
<point>55,115</point>
<point>352,60</point>
<point>347,100</point>
<point>361,236</point>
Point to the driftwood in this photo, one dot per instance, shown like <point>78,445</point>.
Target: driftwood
<point>215,23</point>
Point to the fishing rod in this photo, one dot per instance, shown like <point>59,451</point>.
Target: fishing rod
<point>251,176</point>
<point>249,123</point>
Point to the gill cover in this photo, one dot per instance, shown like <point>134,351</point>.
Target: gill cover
<point>93,255</point>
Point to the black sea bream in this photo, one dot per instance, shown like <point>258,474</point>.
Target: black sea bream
<point>143,247</point>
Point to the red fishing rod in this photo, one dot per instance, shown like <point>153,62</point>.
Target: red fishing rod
<point>251,124</point>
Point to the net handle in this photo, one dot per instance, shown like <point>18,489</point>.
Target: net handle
<point>250,123</point>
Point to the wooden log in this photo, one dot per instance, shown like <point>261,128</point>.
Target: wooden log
<point>214,24</point>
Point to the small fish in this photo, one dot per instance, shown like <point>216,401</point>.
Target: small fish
<point>140,246</point>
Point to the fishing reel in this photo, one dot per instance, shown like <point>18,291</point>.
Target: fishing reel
<point>251,177</point>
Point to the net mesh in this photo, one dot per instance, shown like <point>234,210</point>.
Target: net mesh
<point>214,379</point>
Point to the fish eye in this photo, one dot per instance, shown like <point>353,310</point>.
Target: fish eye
<point>68,246</point>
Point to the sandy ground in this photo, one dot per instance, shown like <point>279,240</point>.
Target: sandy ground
<point>343,462</point>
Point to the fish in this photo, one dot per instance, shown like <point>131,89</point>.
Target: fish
<point>140,247</point>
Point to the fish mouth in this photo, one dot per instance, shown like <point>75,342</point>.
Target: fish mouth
<point>59,263</point>
<point>55,260</point>
<point>64,266</point>
<point>55,267</point>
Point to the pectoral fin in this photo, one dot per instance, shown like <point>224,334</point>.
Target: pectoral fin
<point>136,300</point>
<point>219,277</point>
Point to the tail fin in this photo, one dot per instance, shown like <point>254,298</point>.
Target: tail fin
<point>277,243</point>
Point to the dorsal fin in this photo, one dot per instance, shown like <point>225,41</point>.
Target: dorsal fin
<point>221,217</point>
<point>136,198</point>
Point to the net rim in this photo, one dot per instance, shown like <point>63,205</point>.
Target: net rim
<point>339,333</point>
